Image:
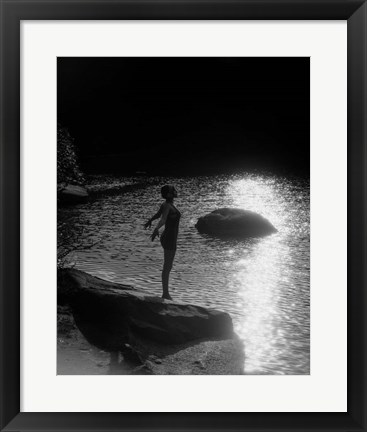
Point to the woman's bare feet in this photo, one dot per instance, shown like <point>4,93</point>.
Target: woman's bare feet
<point>166,296</point>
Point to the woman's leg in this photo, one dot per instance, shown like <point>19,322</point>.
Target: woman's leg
<point>169,256</point>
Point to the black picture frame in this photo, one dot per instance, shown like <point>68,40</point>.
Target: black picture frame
<point>12,12</point>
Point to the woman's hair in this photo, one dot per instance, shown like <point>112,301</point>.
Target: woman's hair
<point>166,189</point>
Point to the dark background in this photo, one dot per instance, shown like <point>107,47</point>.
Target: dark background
<point>186,116</point>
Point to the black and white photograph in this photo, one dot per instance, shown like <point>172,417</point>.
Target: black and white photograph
<point>183,215</point>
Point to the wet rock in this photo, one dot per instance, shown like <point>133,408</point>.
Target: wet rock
<point>153,358</point>
<point>72,194</point>
<point>234,223</point>
<point>149,365</point>
<point>97,191</point>
<point>108,314</point>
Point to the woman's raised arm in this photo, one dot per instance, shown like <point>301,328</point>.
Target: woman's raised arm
<point>156,216</point>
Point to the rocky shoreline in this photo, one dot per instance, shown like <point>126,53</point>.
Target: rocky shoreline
<point>97,187</point>
<point>109,328</point>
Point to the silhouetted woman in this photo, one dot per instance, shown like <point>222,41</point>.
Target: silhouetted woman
<point>170,218</point>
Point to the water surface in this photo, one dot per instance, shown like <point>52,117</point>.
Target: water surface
<point>262,283</point>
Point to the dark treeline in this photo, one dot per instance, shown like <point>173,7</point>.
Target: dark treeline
<point>186,115</point>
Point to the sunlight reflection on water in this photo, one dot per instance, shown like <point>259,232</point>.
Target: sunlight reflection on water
<point>263,283</point>
<point>266,277</point>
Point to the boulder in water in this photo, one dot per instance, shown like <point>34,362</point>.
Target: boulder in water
<point>72,194</point>
<point>235,223</point>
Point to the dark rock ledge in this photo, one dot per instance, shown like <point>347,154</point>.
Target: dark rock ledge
<point>155,336</point>
<point>76,194</point>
